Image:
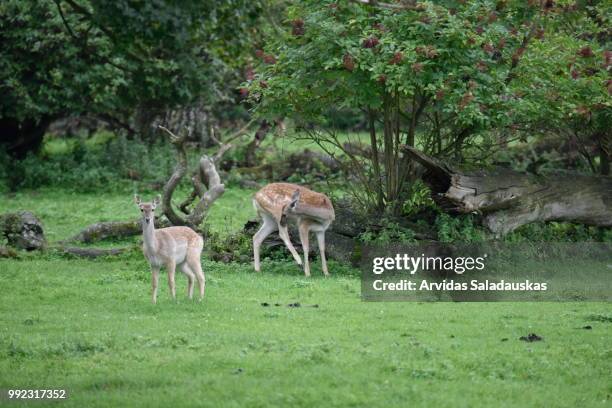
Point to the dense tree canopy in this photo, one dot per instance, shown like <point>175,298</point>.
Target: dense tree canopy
<point>109,57</point>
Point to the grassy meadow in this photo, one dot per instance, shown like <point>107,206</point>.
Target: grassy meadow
<point>88,326</point>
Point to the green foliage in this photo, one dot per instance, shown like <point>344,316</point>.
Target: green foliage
<point>419,199</point>
<point>387,233</point>
<point>439,75</point>
<point>462,229</point>
<point>95,168</point>
<point>107,58</point>
<point>233,247</point>
<point>570,98</point>
<point>453,59</point>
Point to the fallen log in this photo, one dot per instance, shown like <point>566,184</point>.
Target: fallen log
<point>508,199</point>
<point>93,252</point>
<point>103,230</point>
<point>112,229</point>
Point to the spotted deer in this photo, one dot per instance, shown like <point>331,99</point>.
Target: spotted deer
<point>277,203</point>
<point>171,247</point>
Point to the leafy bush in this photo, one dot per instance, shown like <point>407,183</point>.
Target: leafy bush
<point>91,168</point>
<point>462,229</point>
<point>390,232</point>
<point>236,247</point>
<point>419,199</point>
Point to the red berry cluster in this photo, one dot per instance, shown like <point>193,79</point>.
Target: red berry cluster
<point>518,54</point>
<point>370,42</point>
<point>488,47</point>
<point>586,52</point>
<point>396,59</point>
<point>269,59</point>
<point>465,100</point>
<point>298,27</point>
<point>607,59</point>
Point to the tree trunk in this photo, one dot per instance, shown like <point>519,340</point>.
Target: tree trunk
<point>378,181</point>
<point>508,199</point>
<point>22,137</point>
<point>260,135</point>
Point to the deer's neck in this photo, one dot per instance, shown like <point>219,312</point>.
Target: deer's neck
<point>149,235</point>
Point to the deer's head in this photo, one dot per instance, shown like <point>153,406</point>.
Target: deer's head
<point>291,207</point>
<point>147,209</point>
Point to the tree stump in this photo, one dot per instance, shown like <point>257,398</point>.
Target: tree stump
<point>22,230</point>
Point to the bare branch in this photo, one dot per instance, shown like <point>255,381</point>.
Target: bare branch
<point>239,132</point>
<point>206,172</point>
<point>175,178</point>
<point>215,190</point>
<point>173,138</point>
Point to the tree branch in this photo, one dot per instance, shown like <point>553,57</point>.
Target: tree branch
<point>175,178</point>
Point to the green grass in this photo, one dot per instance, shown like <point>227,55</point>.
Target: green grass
<point>89,327</point>
<point>64,213</point>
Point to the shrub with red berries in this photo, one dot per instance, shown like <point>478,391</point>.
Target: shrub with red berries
<point>476,64</point>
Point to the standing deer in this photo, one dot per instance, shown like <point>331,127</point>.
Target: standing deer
<point>313,211</point>
<point>171,247</point>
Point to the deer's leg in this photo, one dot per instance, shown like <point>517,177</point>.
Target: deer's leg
<point>154,282</point>
<point>304,229</point>
<point>171,266</point>
<point>190,278</point>
<point>196,266</point>
<point>284,234</point>
<point>268,227</point>
<point>321,241</point>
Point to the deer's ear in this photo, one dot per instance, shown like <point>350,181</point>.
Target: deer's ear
<point>157,200</point>
<point>136,199</point>
<point>294,199</point>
